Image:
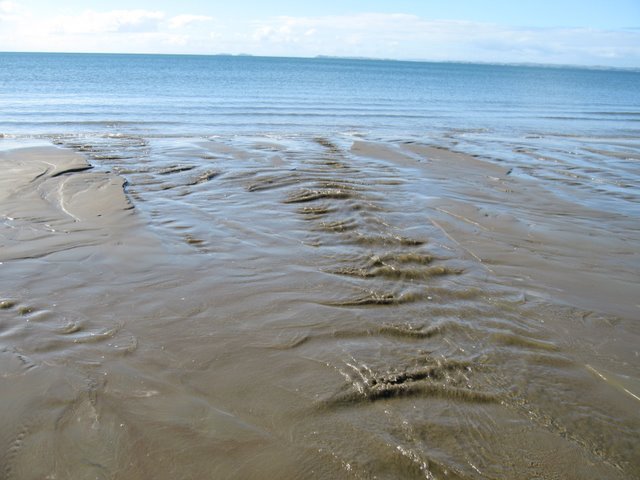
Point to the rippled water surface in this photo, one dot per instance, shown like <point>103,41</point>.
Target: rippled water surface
<point>318,269</point>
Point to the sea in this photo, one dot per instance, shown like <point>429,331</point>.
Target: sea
<point>331,268</point>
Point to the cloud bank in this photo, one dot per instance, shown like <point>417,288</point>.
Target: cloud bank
<point>399,36</point>
<point>411,37</point>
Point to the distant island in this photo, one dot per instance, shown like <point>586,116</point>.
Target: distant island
<point>338,57</point>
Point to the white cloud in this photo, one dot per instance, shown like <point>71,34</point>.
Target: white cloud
<point>92,22</point>
<point>8,7</point>
<point>185,20</point>
<point>411,37</point>
<point>9,12</point>
<point>128,31</point>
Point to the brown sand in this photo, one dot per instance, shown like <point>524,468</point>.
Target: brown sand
<point>308,311</point>
<point>46,208</point>
<point>552,247</point>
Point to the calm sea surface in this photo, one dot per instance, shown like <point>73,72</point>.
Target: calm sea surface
<point>332,268</point>
<point>203,95</point>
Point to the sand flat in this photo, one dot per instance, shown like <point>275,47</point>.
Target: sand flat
<point>313,305</point>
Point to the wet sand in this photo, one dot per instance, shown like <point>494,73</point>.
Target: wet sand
<point>310,308</point>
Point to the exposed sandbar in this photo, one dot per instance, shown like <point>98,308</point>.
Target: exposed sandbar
<point>50,201</point>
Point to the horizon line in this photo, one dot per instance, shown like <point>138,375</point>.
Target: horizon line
<point>346,57</point>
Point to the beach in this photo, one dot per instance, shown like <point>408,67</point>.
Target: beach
<point>359,298</point>
<point>355,322</point>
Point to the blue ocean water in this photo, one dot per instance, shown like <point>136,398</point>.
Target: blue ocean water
<point>208,95</point>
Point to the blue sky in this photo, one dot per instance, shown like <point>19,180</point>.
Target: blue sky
<point>587,32</point>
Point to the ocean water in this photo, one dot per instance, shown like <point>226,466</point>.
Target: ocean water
<point>317,268</point>
<point>204,95</point>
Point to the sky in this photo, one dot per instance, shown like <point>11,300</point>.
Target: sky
<point>586,32</point>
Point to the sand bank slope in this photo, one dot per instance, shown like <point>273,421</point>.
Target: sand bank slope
<point>50,201</point>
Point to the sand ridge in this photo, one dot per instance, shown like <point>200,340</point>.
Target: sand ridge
<point>50,200</point>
